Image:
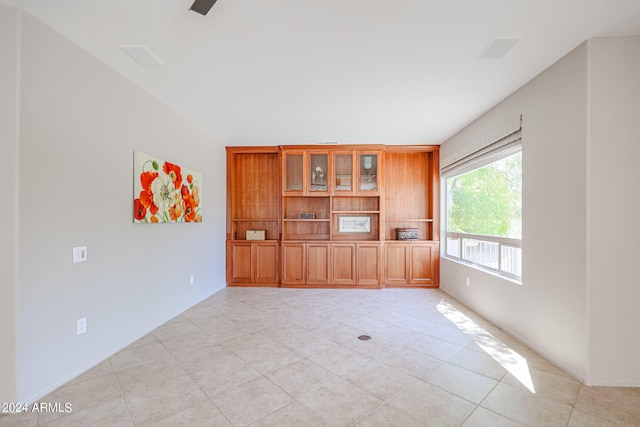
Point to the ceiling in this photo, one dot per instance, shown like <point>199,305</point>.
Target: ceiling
<point>270,72</point>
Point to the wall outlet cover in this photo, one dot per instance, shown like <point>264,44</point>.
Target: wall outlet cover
<point>82,326</point>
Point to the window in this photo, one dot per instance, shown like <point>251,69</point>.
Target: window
<point>483,200</point>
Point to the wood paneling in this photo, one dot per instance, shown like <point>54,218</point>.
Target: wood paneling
<point>253,196</point>
<point>411,191</point>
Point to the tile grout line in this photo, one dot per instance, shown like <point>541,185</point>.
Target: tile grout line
<point>204,393</point>
<point>124,400</point>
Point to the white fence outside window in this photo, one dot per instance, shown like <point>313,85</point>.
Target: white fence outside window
<point>500,254</point>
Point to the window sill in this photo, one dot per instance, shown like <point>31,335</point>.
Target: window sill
<point>508,278</point>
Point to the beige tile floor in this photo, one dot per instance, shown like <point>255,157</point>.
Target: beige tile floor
<point>292,357</point>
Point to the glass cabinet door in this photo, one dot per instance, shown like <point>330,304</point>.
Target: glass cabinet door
<point>318,172</point>
<point>343,166</point>
<point>293,172</point>
<point>368,174</point>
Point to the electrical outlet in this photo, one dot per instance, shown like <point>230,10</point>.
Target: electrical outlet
<point>468,281</point>
<point>82,326</point>
<point>192,279</point>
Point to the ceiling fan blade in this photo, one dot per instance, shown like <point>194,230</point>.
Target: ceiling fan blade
<point>202,6</point>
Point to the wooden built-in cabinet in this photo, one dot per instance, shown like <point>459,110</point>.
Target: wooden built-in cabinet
<point>253,203</point>
<point>343,261</point>
<point>294,263</point>
<point>318,267</point>
<point>334,264</point>
<point>330,215</point>
<point>345,172</point>
<point>369,264</point>
<point>411,263</point>
<point>412,192</point>
<point>253,263</point>
<point>306,264</point>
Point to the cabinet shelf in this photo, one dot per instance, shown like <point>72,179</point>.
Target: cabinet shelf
<point>355,212</point>
<point>256,219</point>
<point>306,220</point>
<point>409,220</point>
<point>409,241</point>
<point>254,241</point>
<point>306,237</point>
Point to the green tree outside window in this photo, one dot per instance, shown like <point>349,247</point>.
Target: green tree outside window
<point>487,201</point>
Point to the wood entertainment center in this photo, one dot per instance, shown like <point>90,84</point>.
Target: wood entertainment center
<point>356,216</point>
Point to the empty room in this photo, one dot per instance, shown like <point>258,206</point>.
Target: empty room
<point>340,213</point>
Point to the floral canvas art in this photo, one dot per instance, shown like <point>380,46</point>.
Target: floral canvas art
<point>165,192</point>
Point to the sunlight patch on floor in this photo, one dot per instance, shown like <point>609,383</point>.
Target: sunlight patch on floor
<point>513,362</point>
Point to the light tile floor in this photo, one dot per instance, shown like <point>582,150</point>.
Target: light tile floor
<point>292,357</point>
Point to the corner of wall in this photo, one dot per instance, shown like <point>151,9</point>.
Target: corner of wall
<point>9,152</point>
<point>611,183</point>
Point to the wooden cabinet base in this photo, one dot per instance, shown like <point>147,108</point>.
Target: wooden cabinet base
<point>366,265</point>
<point>253,263</point>
<point>412,264</point>
<point>332,264</point>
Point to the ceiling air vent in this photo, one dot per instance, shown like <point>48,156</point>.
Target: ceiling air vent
<point>499,47</point>
<point>142,55</point>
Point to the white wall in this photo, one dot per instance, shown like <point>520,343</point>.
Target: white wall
<point>577,304</point>
<point>549,309</point>
<point>8,212</point>
<point>613,206</point>
<point>80,124</point>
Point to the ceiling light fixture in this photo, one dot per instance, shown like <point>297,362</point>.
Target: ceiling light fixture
<point>202,6</point>
<point>499,47</point>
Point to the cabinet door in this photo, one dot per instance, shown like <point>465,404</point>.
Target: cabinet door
<point>368,264</point>
<point>293,263</point>
<point>318,263</point>
<point>318,175</point>
<point>369,166</point>
<point>306,173</point>
<point>343,173</point>
<point>344,263</point>
<point>241,263</point>
<point>421,269</point>
<point>266,262</point>
<point>396,264</point>
<point>294,170</point>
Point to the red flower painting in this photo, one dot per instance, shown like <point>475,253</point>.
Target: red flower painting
<point>161,195</point>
